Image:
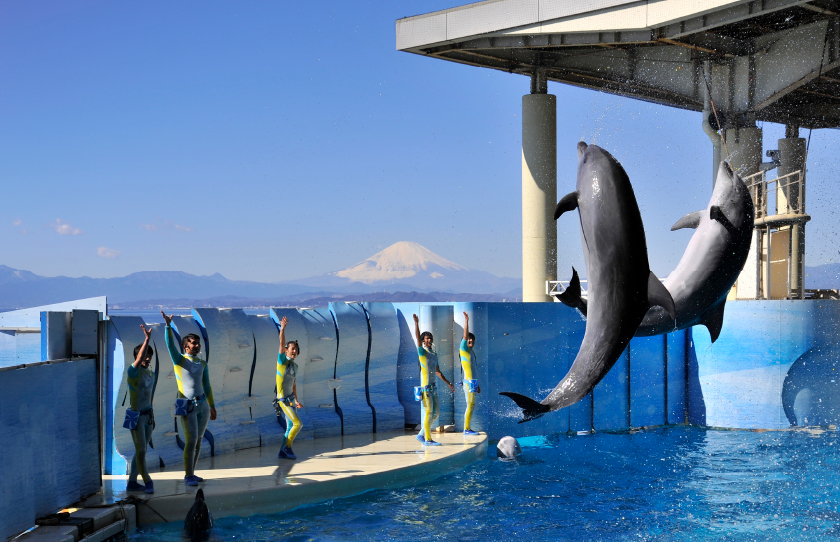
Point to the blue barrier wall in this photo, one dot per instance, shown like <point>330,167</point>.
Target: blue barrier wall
<point>350,367</point>
<point>738,381</point>
<point>382,366</point>
<point>408,366</point>
<point>50,452</point>
<point>320,369</point>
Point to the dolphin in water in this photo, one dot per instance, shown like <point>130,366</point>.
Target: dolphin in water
<point>710,265</point>
<point>621,285</point>
<point>199,522</point>
<point>508,448</point>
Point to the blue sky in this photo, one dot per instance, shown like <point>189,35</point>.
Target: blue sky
<point>273,140</point>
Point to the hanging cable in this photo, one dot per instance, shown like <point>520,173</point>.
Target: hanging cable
<point>714,110</point>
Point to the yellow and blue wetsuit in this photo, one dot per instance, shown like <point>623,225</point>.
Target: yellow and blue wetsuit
<point>193,378</point>
<point>141,382</point>
<point>467,357</point>
<point>286,374</point>
<point>430,406</point>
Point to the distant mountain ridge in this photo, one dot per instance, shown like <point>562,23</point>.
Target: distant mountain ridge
<point>402,267</point>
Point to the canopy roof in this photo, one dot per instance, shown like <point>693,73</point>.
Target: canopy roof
<point>772,60</point>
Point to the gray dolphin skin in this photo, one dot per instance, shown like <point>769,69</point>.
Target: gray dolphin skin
<point>712,260</point>
<point>709,266</point>
<point>621,285</point>
<point>508,448</point>
<point>199,521</point>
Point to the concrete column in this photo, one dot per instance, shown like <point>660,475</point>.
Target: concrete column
<point>539,191</point>
<point>791,200</point>
<point>745,146</point>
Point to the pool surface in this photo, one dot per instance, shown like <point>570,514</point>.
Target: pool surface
<point>676,483</point>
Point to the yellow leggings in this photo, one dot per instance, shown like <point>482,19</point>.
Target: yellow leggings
<point>292,422</point>
<point>470,397</point>
<point>429,412</point>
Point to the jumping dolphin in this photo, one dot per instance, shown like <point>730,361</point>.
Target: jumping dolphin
<point>710,265</point>
<point>621,285</point>
<point>199,522</point>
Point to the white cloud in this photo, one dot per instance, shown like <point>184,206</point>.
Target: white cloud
<point>63,228</point>
<point>163,226</point>
<point>17,222</point>
<point>105,252</point>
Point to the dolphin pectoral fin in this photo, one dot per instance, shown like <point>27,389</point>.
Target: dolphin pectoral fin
<point>659,295</point>
<point>569,202</point>
<point>571,296</point>
<point>714,321</point>
<point>691,220</point>
<point>531,410</point>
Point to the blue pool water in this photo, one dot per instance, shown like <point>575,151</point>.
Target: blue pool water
<point>677,483</point>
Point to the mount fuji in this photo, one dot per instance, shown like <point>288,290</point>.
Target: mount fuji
<point>410,266</point>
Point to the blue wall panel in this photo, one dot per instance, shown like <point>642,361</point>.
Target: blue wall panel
<point>295,331</point>
<point>320,369</point>
<point>350,367</point>
<point>676,353</point>
<point>438,319</point>
<point>47,465</point>
<point>408,365</point>
<point>230,355</point>
<point>382,367</point>
<point>611,397</point>
<point>647,381</point>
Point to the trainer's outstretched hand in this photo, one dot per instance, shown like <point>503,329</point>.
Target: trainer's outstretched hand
<point>167,319</point>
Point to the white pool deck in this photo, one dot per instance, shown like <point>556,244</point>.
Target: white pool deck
<point>255,481</point>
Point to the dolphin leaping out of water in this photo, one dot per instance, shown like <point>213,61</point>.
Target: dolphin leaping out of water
<point>710,265</point>
<point>621,285</point>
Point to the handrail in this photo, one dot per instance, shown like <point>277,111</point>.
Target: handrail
<point>789,201</point>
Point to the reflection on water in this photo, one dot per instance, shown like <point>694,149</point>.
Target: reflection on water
<point>675,483</point>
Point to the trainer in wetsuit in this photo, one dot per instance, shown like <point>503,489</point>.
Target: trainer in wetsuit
<point>430,406</point>
<point>141,382</point>
<point>470,385</point>
<point>287,390</point>
<point>194,394</point>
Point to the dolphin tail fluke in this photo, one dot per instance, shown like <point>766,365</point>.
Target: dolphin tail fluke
<point>571,296</point>
<point>531,410</point>
<point>569,202</point>
<point>691,220</point>
<point>714,321</point>
<point>659,295</point>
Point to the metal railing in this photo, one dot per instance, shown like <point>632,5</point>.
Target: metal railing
<point>789,191</point>
<point>557,287</point>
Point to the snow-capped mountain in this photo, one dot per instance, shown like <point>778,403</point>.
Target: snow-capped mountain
<point>406,266</point>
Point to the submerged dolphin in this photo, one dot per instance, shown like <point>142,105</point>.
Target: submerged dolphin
<point>710,265</point>
<point>199,522</point>
<point>621,285</point>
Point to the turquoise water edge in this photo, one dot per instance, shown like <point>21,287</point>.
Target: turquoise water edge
<point>671,483</point>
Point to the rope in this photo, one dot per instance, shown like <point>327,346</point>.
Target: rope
<point>717,119</point>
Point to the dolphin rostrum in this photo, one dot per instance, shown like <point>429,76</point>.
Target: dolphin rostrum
<point>199,522</point>
<point>621,285</point>
<point>710,265</point>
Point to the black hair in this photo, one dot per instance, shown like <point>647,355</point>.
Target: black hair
<point>149,351</point>
<point>289,343</point>
<point>193,336</point>
<point>423,336</point>
<point>471,336</point>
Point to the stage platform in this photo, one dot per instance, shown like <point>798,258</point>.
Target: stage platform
<point>255,481</point>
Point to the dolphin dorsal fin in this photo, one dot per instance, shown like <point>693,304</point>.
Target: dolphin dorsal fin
<point>714,320</point>
<point>571,296</point>
<point>691,220</point>
<point>569,202</point>
<point>659,295</point>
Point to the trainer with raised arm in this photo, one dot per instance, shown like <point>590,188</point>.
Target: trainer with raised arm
<point>194,406</point>
<point>287,390</point>
<point>140,418</point>
<point>469,384</point>
<point>427,391</point>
